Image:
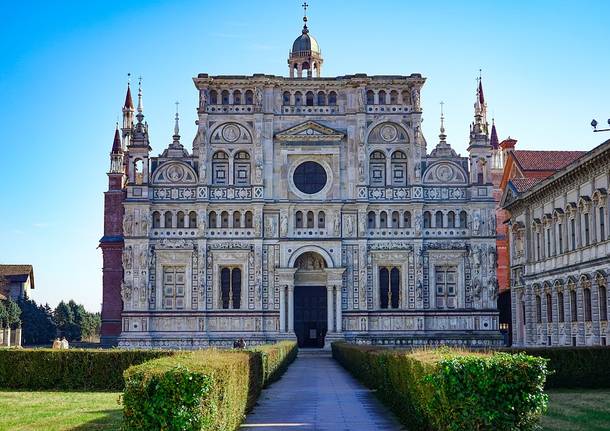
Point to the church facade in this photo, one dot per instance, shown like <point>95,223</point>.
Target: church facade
<point>307,208</point>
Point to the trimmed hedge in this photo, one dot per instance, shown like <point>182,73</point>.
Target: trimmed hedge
<point>203,390</point>
<point>574,367</point>
<point>445,389</point>
<point>74,369</point>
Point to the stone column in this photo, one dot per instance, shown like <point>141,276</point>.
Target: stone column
<point>329,308</point>
<point>7,337</point>
<point>339,322</point>
<point>290,309</point>
<point>18,337</point>
<point>286,281</point>
<point>282,308</point>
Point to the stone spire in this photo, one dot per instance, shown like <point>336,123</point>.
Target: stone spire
<point>493,140</point>
<point>140,131</point>
<point>443,149</point>
<point>116,154</point>
<point>479,147</point>
<point>176,149</point>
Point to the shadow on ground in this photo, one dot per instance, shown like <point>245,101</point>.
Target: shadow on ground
<point>111,420</point>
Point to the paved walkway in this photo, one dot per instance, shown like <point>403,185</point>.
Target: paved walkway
<point>316,393</point>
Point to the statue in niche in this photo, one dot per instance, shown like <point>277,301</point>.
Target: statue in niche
<point>257,224</point>
<point>476,288</point>
<point>142,257</point>
<point>361,136</point>
<point>125,291</point>
<point>476,223</point>
<point>337,224</point>
<point>144,225</point>
<point>492,223</point>
<point>127,222</point>
<point>491,258</point>
<point>257,136</point>
<point>203,98</point>
<point>361,171</point>
<point>362,224</point>
<point>493,289</point>
<point>269,229</point>
<point>258,171</point>
<point>361,99</point>
<point>418,223</point>
<point>127,257</point>
<point>419,290</point>
<point>415,98</point>
<point>349,222</point>
<point>258,99</point>
<point>284,225</point>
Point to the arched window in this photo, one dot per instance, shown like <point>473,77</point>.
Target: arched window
<point>407,219</point>
<point>332,98</point>
<point>230,288</point>
<point>298,220</point>
<point>220,168</point>
<point>180,219</point>
<point>394,288</point>
<point>169,219</point>
<point>309,219</point>
<point>451,219</point>
<point>248,220</point>
<point>286,98</point>
<point>399,169</point>
<point>372,220</point>
<point>138,171</point>
<point>370,97</point>
<point>406,97</point>
<point>225,97</point>
<point>192,219</point>
<point>321,98</point>
<point>213,97</point>
<point>156,219</point>
<point>224,219</point>
<point>382,96</point>
<point>321,220</point>
<point>427,219</point>
<point>588,307</point>
<point>463,219</point>
<point>377,169</point>
<point>212,221</point>
<point>249,97</point>
<point>309,98</point>
<point>560,309</point>
<point>241,169</point>
<point>384,287</point>
<point>236,219</point>
<point>393,97</point>
<point>395,219</point>
<point>538,309</point>
<point>383,219</point>
<point>603,302</point>
<point>549,308</point>
<point>237,97</point>
<point>298,98</point>
<point>573,306</point>
<point>438,219</point>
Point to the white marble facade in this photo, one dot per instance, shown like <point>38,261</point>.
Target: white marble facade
<point>296,182</point>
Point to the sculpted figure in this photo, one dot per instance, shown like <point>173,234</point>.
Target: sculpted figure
<point>491,258</point>
<point>127,257</point>
<point>349,225</point>
<point>284,225</point>
<point>415,98</point>
<point>476,223</point>
<point>125,291</point>
<point>127,222</point>
<point>361,99</point>
<point>258,98</point>
<point>418,223</point>
<point>337,224</point>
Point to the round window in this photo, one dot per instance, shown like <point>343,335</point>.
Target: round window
<point>309,177</point>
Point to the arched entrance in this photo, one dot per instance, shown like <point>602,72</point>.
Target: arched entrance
<point>310,300</point>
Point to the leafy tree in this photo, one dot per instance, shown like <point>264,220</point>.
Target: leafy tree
<point>3,315</point>
<point>64,319</point>
<point>13,314</point>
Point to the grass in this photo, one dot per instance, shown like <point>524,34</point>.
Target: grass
<point>578,409</point>
<point>21,411</point>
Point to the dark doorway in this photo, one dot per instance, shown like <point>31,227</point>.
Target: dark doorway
<point>310,315</point>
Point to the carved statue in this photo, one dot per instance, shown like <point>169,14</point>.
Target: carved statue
<point>415,98</point>
<point>144,224</point>
<point>142,257</point>
<point>269,228</point>
<point>203,98</point>
<point>419,290</point>
<point>127,222</point>
<point>476,289</point>
<point>257,224</point>
<point>125,291</point>
<point>492,223</point>
<point>337,227</point>
<point>418,170</point>
<point>284,225</point>
<point>476,257</point>
<point>476,223</point>
<point>361,99</point>
<point>361,136</point>
<point>349,222</point>
<point>418,223</point>
<point>127,257</point>
<point>258,171</point>
<point>361,171</point>
<point>493,288</point>
<point>491,258</point>
<point>258,98</point>
<point>362,224</point>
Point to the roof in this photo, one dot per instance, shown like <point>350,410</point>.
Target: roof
<point>128,100</point>
<point>116,144</point>
<point>534,160</point>
<point>493,140</point>
<point>523,184</point>
<point>305,43</point>
<point>16,273</point>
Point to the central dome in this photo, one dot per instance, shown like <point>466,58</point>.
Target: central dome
<point>305,42</point>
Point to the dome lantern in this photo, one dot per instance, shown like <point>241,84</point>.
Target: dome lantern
<point>305,54</point>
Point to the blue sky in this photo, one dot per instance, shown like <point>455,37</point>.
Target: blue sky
<point>63,69</point>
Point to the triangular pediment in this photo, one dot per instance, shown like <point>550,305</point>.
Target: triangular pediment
<point>310,131</point>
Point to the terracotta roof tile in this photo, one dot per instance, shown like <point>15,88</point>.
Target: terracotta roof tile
<point>530,160</point>
<point>524,184</point>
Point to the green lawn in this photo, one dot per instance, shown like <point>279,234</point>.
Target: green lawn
<point>578,409</point>
<point>59,411</point>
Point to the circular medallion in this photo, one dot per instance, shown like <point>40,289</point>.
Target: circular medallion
<point>175,173</point>
<point>309,177</point>
<point>444,173</point>
<point>388,133</point>
<point>230,133</point>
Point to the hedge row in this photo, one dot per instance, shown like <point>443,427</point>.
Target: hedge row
<point>74,369</point>
<point>574,367</point>
<point>446,389</point>
<point>202,390</point>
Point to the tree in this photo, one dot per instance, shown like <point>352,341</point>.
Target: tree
<point>3,315</point>
<point>13,314</point>
<point>64,319</point>
<point>37,324</point>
